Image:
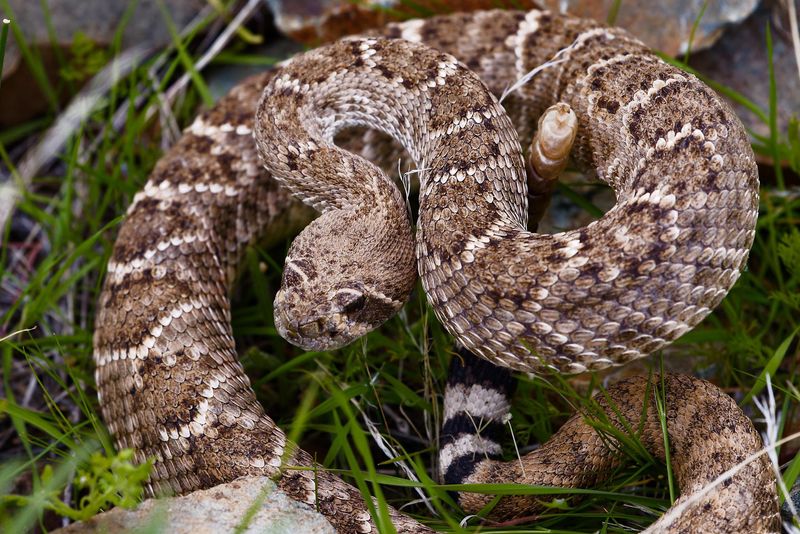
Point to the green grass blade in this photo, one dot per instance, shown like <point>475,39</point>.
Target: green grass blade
<point>613,12</point>
<point>3,41</point>
<point>771,367</point>
<point>36,420</point>
<point>774,140</point>
<point>695,25</point>
<point>34,63</point>
<point>579,200</point>
<point>185,58</point>
<point>661,407</point>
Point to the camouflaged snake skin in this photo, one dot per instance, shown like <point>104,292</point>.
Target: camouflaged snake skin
<point>169,379</point>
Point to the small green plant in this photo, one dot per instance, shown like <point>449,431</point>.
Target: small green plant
<point>110,480</point>
<point>104,482</point>
<point>87,58</point>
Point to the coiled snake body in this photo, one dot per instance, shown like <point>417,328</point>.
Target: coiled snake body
<point>170,383</point>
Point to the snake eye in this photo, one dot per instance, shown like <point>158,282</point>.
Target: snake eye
<point>350,300</point>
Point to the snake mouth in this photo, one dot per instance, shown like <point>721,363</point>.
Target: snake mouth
<point>320,333</point>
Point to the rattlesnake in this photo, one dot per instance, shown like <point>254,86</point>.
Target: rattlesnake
<point>169,381</point>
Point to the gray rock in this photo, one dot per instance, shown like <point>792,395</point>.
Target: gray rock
<point>665,26</point>
<point>739,62</point>
<point>219,509</point>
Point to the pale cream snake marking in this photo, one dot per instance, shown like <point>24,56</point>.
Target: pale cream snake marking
<point>679,161</point>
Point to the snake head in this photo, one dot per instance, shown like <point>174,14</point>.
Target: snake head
<point>339,285</point>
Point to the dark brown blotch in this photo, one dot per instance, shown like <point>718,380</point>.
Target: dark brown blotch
<point>607,104</point>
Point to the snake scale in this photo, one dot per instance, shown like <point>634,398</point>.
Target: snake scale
<point>169,380</point>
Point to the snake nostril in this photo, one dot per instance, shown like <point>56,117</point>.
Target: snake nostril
<point>310,328</point>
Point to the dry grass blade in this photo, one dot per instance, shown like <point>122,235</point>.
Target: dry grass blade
<point>792,7</point>
<point>219,44</point>
<point>65,127</point>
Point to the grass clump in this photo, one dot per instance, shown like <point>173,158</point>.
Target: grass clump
<point>371,411</point>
